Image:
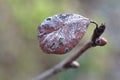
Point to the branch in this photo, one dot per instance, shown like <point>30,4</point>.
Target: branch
<point>70,62</point>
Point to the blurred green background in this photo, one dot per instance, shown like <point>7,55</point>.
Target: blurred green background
<point>20,55</point>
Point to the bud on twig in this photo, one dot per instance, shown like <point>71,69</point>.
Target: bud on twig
<point>74,64</point>
<point>61,33</point>
<point>101,41</point>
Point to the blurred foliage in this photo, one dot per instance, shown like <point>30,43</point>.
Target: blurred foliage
<point>21,57</point>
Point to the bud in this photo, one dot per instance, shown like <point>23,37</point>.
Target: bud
<point>101,41</point>
<point>74,64</point>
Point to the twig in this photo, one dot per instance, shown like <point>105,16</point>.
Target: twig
<point>68,62</point>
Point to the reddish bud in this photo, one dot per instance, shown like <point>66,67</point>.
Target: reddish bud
<point>101,41</point>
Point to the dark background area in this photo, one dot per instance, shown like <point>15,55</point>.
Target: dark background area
<point>20,55</point>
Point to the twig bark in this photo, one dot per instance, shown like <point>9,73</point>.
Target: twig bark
<point>66,63</point>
